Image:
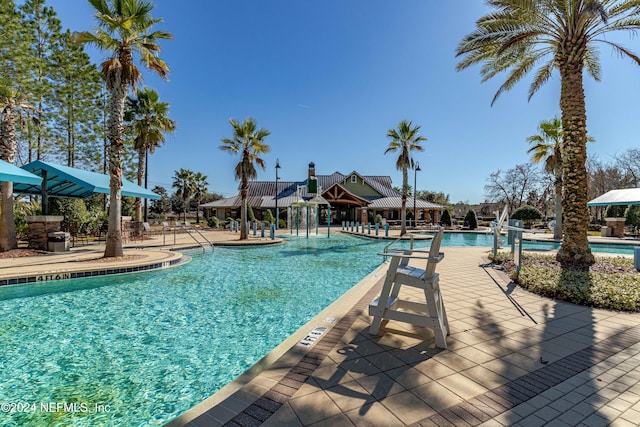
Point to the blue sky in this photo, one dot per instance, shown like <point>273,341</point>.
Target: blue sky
<point>330,78</point>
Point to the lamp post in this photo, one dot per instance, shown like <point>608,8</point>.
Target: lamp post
<point>277,214</point>
<point>415,191</point>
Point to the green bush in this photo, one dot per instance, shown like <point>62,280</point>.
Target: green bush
<point>269,218</point>
<point>615,211</point>
<point>446,218</point>
<point>74,212</point>
<point>471,220</point>
<point>632,215</point>
<point>610,290</point>
<point>378,219</point>
<point>250,213</point>
<point>22,210</point>
<point>526,213</point>
<point>282,223</point>
<point>213,222</point>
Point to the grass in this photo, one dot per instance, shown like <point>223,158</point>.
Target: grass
<point>610,283</point>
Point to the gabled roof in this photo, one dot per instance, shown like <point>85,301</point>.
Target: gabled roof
<point>63,181</point>
<point>337,191</point>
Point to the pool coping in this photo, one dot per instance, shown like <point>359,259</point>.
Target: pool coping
<point>75,266</point>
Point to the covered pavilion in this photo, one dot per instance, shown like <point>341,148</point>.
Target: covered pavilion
<point>64,182</point>
<point>621,197</point>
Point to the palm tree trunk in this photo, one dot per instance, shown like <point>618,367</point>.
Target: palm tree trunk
<point>244,235</point>
<point>557,230</point>
<point>8,238</point>
<point>116,149</point>
<point>575,245</point>
<point>142,151</point>
<point>403,211</point>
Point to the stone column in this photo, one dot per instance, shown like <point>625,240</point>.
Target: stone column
<point>617,224</point>
<point>39,228</point>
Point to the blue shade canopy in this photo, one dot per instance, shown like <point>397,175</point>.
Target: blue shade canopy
<point>12,173</point>
<point>63,181</point>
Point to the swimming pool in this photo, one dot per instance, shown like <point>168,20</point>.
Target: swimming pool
<point>484,239</point>
<point>149,346</point>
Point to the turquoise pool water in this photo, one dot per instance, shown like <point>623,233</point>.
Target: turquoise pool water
<point>149,346</point>
<point>483,239</point>
<point>146,347</point>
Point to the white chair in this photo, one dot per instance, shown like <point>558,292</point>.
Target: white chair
<point>389,306</point>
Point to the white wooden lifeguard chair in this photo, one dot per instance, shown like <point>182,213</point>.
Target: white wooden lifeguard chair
<point>389,306</point>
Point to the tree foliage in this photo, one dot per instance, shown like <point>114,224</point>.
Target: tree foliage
<point>405,140</point>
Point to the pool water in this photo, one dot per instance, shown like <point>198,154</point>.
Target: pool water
<point>146,347</point>
<point>149,346</point>
<point>484,239</point>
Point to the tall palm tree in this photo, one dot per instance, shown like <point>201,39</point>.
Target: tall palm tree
<point>548,148</point>
<point>147,120</point>
<point>10,101</point>
<point>199,191</point>
<point>124,28</point>
<point>184,183</point>
<point>405,139</point>
<point>248,141</point>
<point>561,35</point>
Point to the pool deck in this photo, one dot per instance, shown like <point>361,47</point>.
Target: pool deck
<point>513,358</point>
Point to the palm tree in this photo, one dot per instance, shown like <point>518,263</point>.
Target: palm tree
<point>148,121</point>
<point>184,183</point>
<point>548,148</point>
<point>10,101</point>
<point>557,35</point>
<point>249,143</point>
<point>405,139</point>
<point>199,191</point>
<point>124,28</point>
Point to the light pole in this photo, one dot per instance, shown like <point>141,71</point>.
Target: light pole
<point>277,214</point>
<point>415,191</point>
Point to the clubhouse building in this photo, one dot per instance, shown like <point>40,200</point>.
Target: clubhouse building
<point>352,197</point>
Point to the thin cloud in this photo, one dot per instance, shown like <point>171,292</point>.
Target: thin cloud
<point>304,106</point>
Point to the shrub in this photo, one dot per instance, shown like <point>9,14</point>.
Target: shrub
<point>250,214</point>
<point>526,213</point>
<point>446,218</point>
<point>282,223</point>
<point>213,222</point>
<point>632,215</point>
<point>74,212</point>
<point>378,219</point>
<point>268,217</point>
<point>20,211</point>
<point>615,211</point>
<point>471,219</point>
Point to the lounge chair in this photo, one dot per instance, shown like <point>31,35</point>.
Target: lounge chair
<point>389,306</point>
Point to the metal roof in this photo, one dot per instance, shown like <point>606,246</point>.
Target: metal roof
<point>64,181</point>
<point>12,173</point>
<point>396,203</point>
<point>625,196</point>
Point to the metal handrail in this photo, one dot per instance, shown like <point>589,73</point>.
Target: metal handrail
<point>188,230</point>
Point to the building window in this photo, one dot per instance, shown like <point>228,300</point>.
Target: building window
<point>354,179</point>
